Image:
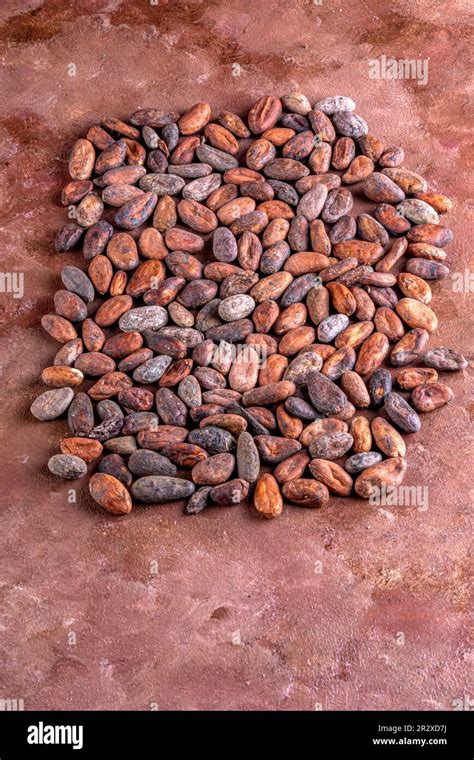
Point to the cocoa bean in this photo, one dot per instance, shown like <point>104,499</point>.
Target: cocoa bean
<point>305,492</point>
<point>330,446</point>
<point>110,494</point>
<point>325,395</point>
<point>372,353</point>
<point>229,493</point>
<point>51,404</point>
<point>198,500</point>
<point>213,470</point>
<point>114,464</point>
<point>267,497</point>
<point>426,269</point>
<point>144,462</point>
<point>380,188</point>
<point>360,431</point>
<point>213,439</point>
<point>426,398</point>
<point>347,123</point>
<point>332,475</point>
<point>386,474</point>
<point>444,359</point>
<point>401,413</point>
<point>155,489</point>
<point>248,460</point>
<point>359,462</point>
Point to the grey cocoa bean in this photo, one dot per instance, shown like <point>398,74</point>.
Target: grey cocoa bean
<point>170,408</point>
<point>331,326</point>
<point>311,203</point>
<point>199,189</point>
<point>170,134</point>
<point>236,307</point>
<point>299,289</point>
<point>330,446</point>
<point>401,413</point>
<point>198,501</point>
<point>191,171</point>
<point>109,428</point>
<point>238,283</point>
<point>334,104</point>
<point>216,158</point>
<point>114,464</point>
<point>418,212</point>
<point>232,332</point>
<point>209,378</point>
<point>67,466</point>
<point>349,124</point>
<point>358,462</point>
<point>248,459</point>
<point>137,421</point>
<point>300,408</point>
<point>232,492</point>
<point>143,318</point>
<point>300,367</point>
<point>274,257</point>
<point>150,137</point>
<point>189,391</point>
<point>224,245</point>
<point>338,203</point>
<point>51,404</point>
<point>213,439</point>
<point>208,316</point>
<point>145,462</point>
<point>154,489</point>
<point>444,359</point>
<point>379,385</point>
<point>78,282</point>
<point>188,335</point>
<point>162,184</point>
<point>284,192</point>
<point>427,269</point>
<point>151,370</point>
<point>108,408</point>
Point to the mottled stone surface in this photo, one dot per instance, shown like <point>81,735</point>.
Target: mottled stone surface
<point>352,607</point>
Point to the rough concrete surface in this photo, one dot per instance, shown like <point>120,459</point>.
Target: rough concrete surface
<point>351,607</point>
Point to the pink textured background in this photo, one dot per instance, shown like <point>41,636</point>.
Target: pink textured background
<point>237,616</point>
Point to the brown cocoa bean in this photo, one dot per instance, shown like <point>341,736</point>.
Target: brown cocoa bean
<point>305,492</point>
<point>386,474</point>
<point>325,395</point>
<point>110,494</point>
<point>332,475</point>
<point>267,497</point>
<point>372,353</point>
<point>387,438</point>
<point>213,470</point>
<point>426,398</point>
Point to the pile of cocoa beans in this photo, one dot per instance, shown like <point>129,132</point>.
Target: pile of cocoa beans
<point>235,334</point>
